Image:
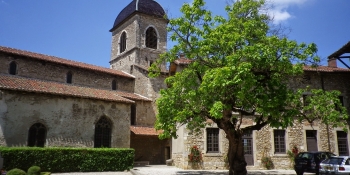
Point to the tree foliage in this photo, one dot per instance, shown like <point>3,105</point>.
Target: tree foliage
<point>239,65</point>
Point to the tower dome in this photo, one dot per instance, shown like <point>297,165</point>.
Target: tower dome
<point>149,7</point>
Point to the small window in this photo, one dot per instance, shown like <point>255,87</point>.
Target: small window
<point>133,115</point>
<point>13,68</point>
<point>37,135</point>
<point>122,43</point>
<point>279,141</point>
<point>69,77</point>
<point>306,100</point>
<point>114,85</point>
<point>341,100</point>
<point>151,38</point>
<point>103,131</point>
<point>212,140</point>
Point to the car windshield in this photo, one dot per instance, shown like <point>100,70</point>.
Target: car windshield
<point>333,160</point>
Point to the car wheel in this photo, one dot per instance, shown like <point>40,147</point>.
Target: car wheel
<point>299,172</point>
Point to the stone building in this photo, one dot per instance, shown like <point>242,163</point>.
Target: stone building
<point>50,101</point>
<point>269,141</point>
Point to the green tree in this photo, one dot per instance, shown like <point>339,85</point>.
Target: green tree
<point>239,64</point>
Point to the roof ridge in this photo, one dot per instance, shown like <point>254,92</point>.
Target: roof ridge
<point>64,61</point>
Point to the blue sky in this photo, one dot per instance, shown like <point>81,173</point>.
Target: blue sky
<point>79,29</point>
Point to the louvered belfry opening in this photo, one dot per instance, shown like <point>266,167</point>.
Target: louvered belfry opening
<point>103,130</point>
<point>37,135</point>
<point>151,38</point>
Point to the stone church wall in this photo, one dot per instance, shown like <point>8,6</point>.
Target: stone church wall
<point>32,68</point>
<point>69,121</point>
<point>149,87</point>
<point>145,115</point>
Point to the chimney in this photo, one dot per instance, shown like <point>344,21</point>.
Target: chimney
<point>182,55</point>
<point>332,62</point>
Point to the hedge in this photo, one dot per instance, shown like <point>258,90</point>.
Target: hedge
<point>68,159</point>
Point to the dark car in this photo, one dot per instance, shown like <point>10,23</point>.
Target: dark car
<point>310,161</point>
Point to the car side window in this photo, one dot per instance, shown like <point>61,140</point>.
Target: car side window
<point>324,156</point>
<point>306,156</point>
<point>347,162</point>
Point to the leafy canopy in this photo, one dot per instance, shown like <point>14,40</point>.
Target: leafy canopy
<point>239,64</point>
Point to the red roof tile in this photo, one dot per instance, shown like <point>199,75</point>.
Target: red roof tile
<point>58,60</point>
<point>183,61</point>
<point>133,96</point>
<point>9,82</point>
<point>141,130</point>
<point>325,69</point>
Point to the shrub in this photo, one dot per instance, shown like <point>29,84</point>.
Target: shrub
<point>267,162</point>
<point>195,155</point>
<point>16,171</point>
<point>68,159</point>
<point>34,170</point>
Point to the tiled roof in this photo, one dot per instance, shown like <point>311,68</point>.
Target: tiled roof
<point>325,69</point>
<point>183,61</point>
<point>132,96</point>
<point>149,7</point>
<point>141,130</point>
<point>341,51</point>
<point>10,82</point>
<point>58,60</point>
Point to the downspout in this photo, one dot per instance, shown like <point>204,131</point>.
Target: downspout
<point>137,5</point>
<point>327,129</point>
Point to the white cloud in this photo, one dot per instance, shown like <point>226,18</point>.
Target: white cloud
<point>279,10</point>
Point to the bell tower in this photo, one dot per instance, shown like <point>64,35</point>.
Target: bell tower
<point>138,36</point>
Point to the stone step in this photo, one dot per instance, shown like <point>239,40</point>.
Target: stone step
<point>141,163</point>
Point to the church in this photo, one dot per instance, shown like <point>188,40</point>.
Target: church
<point>47,101</point>
<point>51,101</point>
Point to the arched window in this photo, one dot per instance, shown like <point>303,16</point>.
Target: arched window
<point>69,77</point>
<point>103,130</point>
<point>122,43</point>
<point>37,135</point>
<point>114,85</point>
<point>151,38</point>
<point>13,68</point>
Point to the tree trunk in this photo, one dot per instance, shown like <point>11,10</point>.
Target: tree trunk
<point>235,155</point>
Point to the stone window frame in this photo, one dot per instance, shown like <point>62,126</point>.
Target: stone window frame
<point>342,101</point>
<point>311,131</point>
<point>36,131</point>
<point>284,140</point>
<point>13,68</point>
<point>307,127</point>
<point>103,138</point>
<point>122,42</point>
<point>154,40</point>
<point>337,141</point>
<point>206,141</point>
